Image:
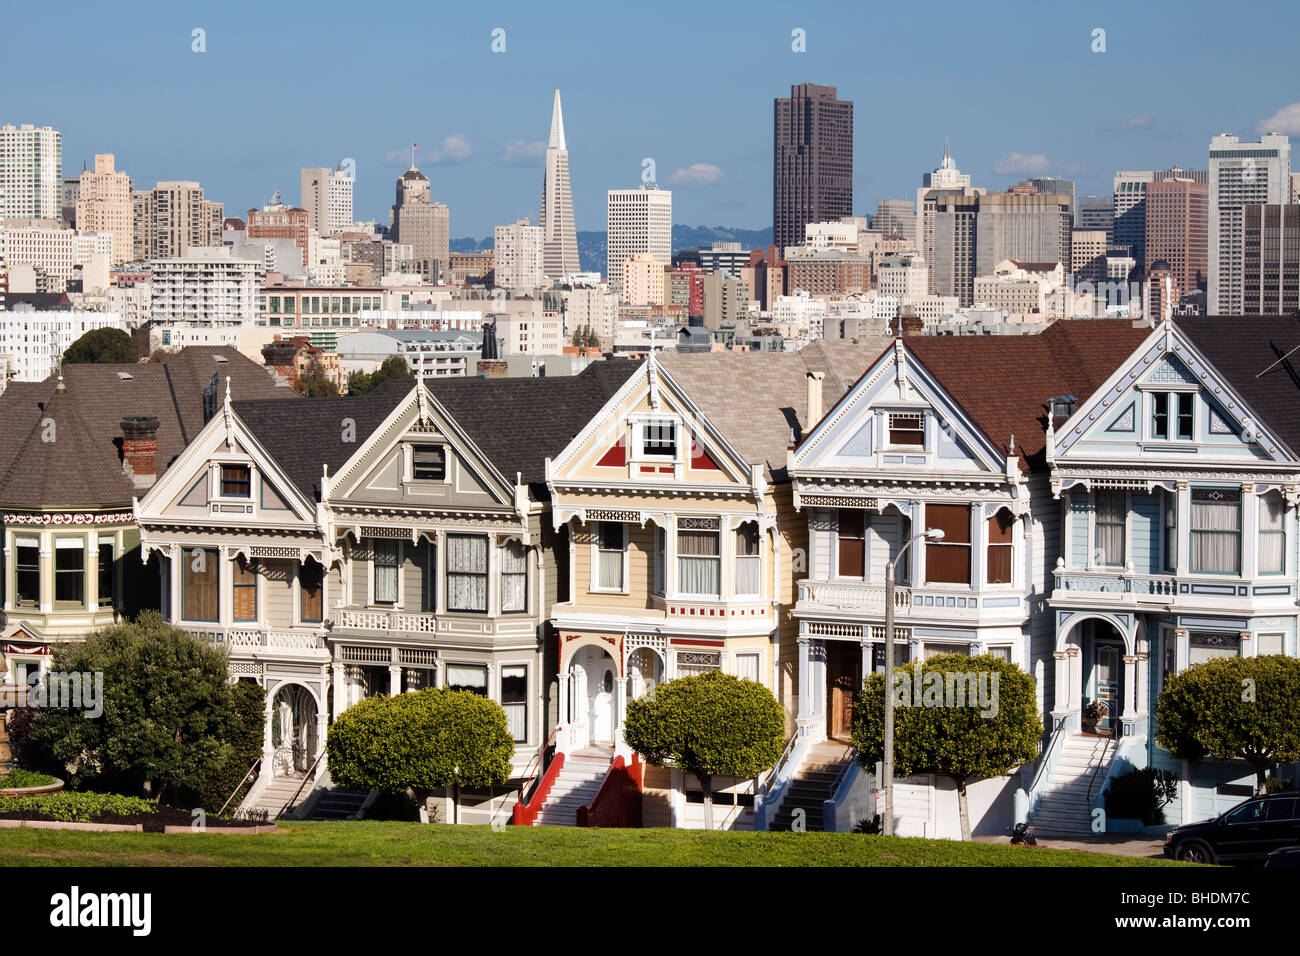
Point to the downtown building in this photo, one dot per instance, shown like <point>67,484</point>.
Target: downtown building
<point>103,204</point>
<point>559,236</point>
<point>327,198</point>
<point>1177,230</point>
<point>171,218</point>
<point>1128,204</point>
<point>1271,259</point>
<point>31,172</point>
<point>637,220</point>
<point>518,256</point>
<point>1241,174</point>
<point>423,225</point>
<point>812,161</point>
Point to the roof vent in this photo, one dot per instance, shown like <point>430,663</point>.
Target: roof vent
<point>1062,407</point>
<point>125,376</point>
<point>220,358</point>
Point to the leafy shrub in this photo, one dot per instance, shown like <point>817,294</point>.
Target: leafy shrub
<point>871,824</point>
<point>1278,784</point>
<point>72,807</point>
<point>1141,794</point>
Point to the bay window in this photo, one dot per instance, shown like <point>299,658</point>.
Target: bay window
<point>1001,528</point>
<point>471,677</point>
<point>467,572</point>
<point>1111,510</point>
<point>661,542</point>
<point>69,571</point>
<point>749,565</point>
<point>1272,533</point>
<point>514,577</point>
<point>384,565</point>
<point>200,584</point>
<point>948,560</point>
<point>851,543</point>
<point>27,572</point>
<point>699,564</point>
<point>1216,531</point>
<point>1171,530</point>
<point>1207,645</point>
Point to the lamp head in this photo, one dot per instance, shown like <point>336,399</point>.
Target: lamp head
<point>934,534</point>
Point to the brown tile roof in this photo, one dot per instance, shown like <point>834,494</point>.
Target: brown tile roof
<point>82,467</point>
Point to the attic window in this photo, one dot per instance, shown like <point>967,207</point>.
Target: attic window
<point>907,428</point>
<point>236,481</point>
<point>428,463</point>
<point>659,439</point>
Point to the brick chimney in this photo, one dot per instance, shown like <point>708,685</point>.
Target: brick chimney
<point>140,449</point>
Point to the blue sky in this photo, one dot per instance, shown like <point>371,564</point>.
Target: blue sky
<point>1015,85</point>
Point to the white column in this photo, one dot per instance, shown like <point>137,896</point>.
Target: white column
<point>394,679</point>
<point>340,688</point>
<point>805,713</point>
<point>1143,672</point>
<point>1184,522</point>
<point>1249,531</point>
<point>1062,683</point>
<point>1130,688</point>
<point>440,577</point>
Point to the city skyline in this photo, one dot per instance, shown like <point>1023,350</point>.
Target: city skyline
<point>481,117</point>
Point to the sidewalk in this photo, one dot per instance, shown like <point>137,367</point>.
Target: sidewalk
<point>1121,844</point>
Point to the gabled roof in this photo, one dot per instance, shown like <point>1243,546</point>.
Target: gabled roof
<point>1256,354</point>
<point>302,436</point>
<point>520,422</point>
<point>1004,382</point>
<point>82,467</point>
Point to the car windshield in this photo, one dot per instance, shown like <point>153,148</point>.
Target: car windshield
<point>1251,812</point>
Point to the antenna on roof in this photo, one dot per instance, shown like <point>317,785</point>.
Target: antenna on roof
<point>1258,374</point>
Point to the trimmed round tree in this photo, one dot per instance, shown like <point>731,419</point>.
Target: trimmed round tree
<point>1228,708</point>
<point>101,346</point>
<point>170,723</point>
<point>709,725</point>
<point>960,717</point>
<point>422,742</point>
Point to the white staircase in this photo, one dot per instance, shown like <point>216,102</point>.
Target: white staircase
<point>1075,778</point>
<point>277,793</point>
<point>575,786</point>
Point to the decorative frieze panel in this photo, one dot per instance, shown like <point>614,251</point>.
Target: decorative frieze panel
<point>837,501</point>
<point>613,514</point>
<point>69,518</point>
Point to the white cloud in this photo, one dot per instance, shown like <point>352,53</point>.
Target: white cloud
<point>521,152</point>
<point>1033,163</point>
<point>697,176</point>
<point>1286,120</point>
<point>1133,122</point>
<point>454,149</point>
<point>398,157</point>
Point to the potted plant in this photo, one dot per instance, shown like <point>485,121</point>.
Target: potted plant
<point>1093,714</point>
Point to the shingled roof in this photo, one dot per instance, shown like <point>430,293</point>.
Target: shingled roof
<point>1258,357</point>
<point>82,466</point>
<point>520,422</point>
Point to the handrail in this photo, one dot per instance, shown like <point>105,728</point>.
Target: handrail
<point>850,760</point>
<point>1092,781</point>
<point>775,772</point>
<point>536,759</point>
<point>1046,760</point>
<point>306,777</point>
<point>242,780</point>
<point>620,773</point>
<point>525,812</point>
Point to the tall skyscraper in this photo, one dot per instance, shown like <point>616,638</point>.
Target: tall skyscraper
<point>1129,210</point>
<point>1055,186</point>
<point>951,183</point>
<point>1241,174</point>
<point>637,220</point>
<point>1096,213</point>
<point>31,172</point>
<point>424,225</point>
<point>170,218</point>
<point>327,197</point>
<point>1271,260</point>
<point>104,205</point>
<point>559,235</point>
<point>1177,229</point>
<point>812,161</point>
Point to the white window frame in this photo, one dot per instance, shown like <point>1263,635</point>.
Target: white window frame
<point>595,550</point>
<point>370,576</point>
<point>887,441</point>
<point>408,462</point>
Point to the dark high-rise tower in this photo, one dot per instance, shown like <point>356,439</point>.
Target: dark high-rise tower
<point>812,161</point>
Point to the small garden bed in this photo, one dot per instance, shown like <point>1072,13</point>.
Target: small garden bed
<point>23,783</point>
<point>68,806</point>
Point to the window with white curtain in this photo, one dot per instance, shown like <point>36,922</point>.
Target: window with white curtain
<point>514,577</point>
<point>1109,519</point>
<point>699,563</point>
<point>609,555</point>
<point>698,662</point>
<point>1272,533</point>
<point>385,568</point>
<point>1270,644</point>
<point>514,699</point>
<point>472,677</point>
<point>749,564</point>
<point>467,576</point>
<point>1207,645</point>
<point>1216,530</point>
<point>747,666</point>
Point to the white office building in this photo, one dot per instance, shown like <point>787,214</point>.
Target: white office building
<point>35,339</point>
<point>518,257</point>
<point>1241,174</point>
<point>60,254</point>
<point>637,220</point>
<point>206,287</point>
<point>327,197</point>
<point>31,172</point>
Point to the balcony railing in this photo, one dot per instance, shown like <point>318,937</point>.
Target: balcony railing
<point>303,640</point>
<point>862,598</point>
<point>852,595</point>
<point>1117,582</point>
<point>377,620</point>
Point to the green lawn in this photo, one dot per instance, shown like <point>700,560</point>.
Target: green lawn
<point>409,844</point>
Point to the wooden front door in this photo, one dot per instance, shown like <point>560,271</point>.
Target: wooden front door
<point>844,680</point>
<point>1107,673</point>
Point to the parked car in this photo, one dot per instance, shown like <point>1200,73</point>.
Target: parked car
<point>1247,833</point>
<point>1285,857</point>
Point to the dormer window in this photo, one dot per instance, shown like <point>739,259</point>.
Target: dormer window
<point>659,439</point>
<point>1172,416</point>
<point>907,428</point>
<point>1062,407</point>
<point>236,481</point>
<point>428,463</point>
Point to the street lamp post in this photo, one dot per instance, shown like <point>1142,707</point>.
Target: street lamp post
<point>887,771</point>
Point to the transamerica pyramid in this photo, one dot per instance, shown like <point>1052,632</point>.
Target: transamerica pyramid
<point>559,237</point>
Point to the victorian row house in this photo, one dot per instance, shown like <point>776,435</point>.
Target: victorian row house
<point>1101,504</point>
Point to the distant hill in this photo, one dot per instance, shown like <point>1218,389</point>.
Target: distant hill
<point>591,245</point>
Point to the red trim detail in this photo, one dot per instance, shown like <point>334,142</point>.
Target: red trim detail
<point>524,815</point>
<point>616,457</point>
<point>695,642</point>
<point>700,461</point>
<point>618,801</point>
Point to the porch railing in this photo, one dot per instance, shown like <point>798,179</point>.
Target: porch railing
<point>1117,582</point>
<point>536,772</point>
<point>259,637</point>
<point>371,620</point>
<point>771,790</point>
<point>1067,726</point>
<point>848,594</point>
<point>308,777</point>
<point>618,801</point>
<point>239,786</point>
